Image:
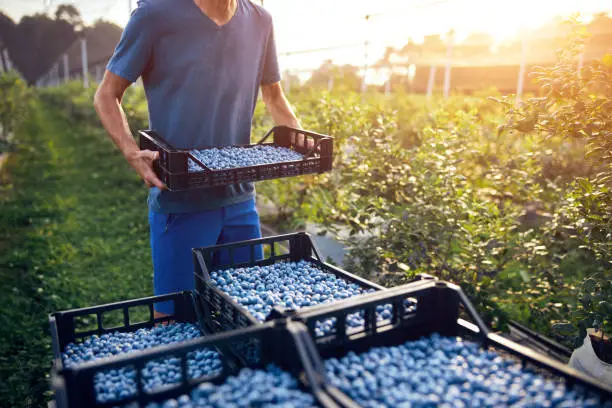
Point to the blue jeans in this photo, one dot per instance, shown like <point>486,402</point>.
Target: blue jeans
<point>174,235</point>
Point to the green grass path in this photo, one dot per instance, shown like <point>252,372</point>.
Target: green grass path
<point>73,233</point>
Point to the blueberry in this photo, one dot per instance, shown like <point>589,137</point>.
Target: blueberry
<point>233,157</point>
<point>115,384</point>
<point>292,285</point>
<point>442,371</point>
<point>270,387</point>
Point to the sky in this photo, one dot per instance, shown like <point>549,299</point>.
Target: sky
<point>315,24</point>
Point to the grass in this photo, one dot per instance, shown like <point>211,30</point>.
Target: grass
<point>73,233</point>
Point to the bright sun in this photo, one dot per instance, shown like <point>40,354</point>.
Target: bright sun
<point>303,25</point>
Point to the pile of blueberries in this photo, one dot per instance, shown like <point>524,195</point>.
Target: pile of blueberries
<point>250,388</point>
<point>114,384</point>
<point>231,157</point>
<point>446,372</point>
<point>291,285</point>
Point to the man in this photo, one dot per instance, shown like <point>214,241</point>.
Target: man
<point>202,63</point>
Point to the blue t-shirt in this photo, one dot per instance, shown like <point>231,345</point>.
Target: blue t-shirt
<point>201,83</point>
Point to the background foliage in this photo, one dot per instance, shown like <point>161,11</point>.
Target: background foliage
<point>512,202</point>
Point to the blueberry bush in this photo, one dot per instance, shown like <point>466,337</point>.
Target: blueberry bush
<point>511,201</point>
<point>15,98</point>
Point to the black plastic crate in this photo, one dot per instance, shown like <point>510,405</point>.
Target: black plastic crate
<point>442,308</point>
<point>65,330</point>
<point>219,311</point>
<point>173,164</point>
<point>283,343</point>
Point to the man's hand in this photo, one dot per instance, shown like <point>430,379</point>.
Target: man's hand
<point>142,162</point>
<point>107,102</point>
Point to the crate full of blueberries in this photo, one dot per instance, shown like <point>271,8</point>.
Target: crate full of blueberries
<point>436,351</point>
<point>282,152</point>
<point>234,289</point>
<point>92,336</point>
<point>280,368</point>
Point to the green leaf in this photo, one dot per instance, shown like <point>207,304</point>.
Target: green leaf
<point>589,285</point>
<point>564,329</point>
<point>604,307</point>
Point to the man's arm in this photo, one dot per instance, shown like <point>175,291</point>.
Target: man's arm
<point>278,105</point>
<point>107,102</point>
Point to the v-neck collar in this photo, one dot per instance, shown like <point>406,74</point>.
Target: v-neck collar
<point>210,20</point>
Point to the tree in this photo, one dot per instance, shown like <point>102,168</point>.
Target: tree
<point>343,76</point>
<point>434,44</point>
<point>7,32</point>
<point>38,40</point>
<point>476,44</point>
<point>70,14</point>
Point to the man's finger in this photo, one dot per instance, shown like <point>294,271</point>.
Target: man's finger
<point>152,180</point>
<point>149,154</point>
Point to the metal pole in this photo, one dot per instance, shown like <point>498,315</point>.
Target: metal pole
<point>56,78</point>
<point>66,68</point>
<point>388,82</point>
<point>364,86</point>
<point>9,65</point>
<point>431,81</point>
<point>521,75</point>
<point>449,62</point>
<point>84,62</point>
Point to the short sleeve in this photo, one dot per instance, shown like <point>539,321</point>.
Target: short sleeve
<point>271,71</point>
<point>134,50</point>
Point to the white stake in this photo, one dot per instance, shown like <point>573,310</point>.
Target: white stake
<point>9,65</point>
<point>66,68</point>
<point>84,62</point>
<point>364,86</point>
<point>431,81</point>
<point>521,74</point>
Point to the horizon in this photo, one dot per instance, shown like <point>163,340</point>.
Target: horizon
<point>391,24</point>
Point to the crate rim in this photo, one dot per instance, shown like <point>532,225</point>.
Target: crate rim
<point>149,131</point>
<point>120,303</point>
<point>282,237</point>
<point>208,170</point>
